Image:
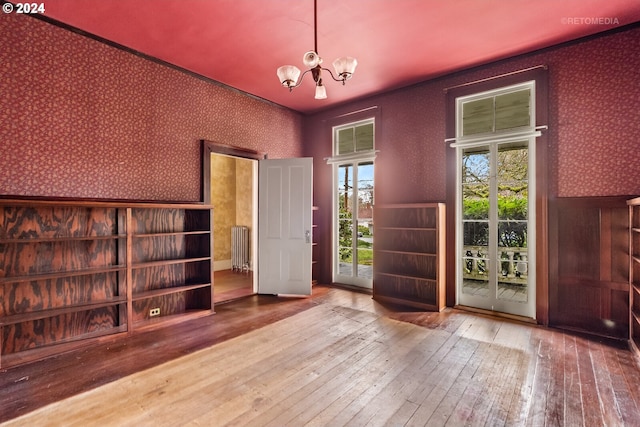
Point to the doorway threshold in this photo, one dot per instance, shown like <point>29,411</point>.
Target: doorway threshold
<point>352,288</point>
<point>497,314</point>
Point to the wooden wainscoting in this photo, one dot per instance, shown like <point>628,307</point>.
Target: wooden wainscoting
<point>589,265</point>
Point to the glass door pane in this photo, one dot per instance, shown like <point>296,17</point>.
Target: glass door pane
<point>494,260</point>
<point>364,224</point>
<point>345,220</point>
<point>354,249</point>
<point>475,223</point>
<point>513,215</point>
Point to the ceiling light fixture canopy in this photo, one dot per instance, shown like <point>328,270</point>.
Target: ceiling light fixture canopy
<point>290,77</point>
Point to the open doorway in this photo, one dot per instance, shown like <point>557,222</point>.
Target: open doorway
<point>229,175</point>
<point>229,183</point>
<point>233,197</point>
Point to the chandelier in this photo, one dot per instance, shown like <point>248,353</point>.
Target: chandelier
<point>289,75</point>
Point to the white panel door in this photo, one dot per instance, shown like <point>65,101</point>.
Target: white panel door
<point>285,200</point>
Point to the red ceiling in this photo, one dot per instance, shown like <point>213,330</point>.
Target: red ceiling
<point>241,43</point>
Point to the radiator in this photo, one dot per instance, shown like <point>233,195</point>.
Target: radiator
<point>240,248</point>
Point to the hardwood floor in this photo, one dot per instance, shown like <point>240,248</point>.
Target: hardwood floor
<point>336,358</point>
<point>230,285</point>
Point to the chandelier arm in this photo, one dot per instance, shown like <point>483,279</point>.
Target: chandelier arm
<point>299,80</point>
<point>332,76</point>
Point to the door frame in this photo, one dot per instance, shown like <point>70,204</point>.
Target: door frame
<point>210,147</point>
<point>502,306</point>
<point>353,280</point>
<point>207,149</point>
<point>540,75</point>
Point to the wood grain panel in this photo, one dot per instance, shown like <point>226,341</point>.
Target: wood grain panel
<point>20,259</point>
<point>406,288</point>
<point>66,270</point>
<point>589,263</point>
<point>579,239</point>
<point>408,217</point>
<point>19,298</point>
<point>168,305</point>
<point>619,245</point>
<point>158,248</point>
<point>198,299</point>
<point>49,222</point>
<point>198,272</point>
<point>415,240</point>
<point>147,221</point>
<point>39,333</point>
<point>197,220</point>
<point>158,277</point>
<point>407,264</point>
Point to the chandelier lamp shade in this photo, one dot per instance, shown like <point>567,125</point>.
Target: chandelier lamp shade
<point>290,76</point>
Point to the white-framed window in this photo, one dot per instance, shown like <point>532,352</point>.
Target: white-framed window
<point>353,197</point>
<point>496,113</point>
<point>495,199</point>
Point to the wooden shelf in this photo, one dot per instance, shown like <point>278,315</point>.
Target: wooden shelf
<point>409,258</point>
<point>408,228</point>
<point>178,233</point>
<point>389,251</point>
<point>168,262</point>
<point>411,303</point>
<point>43,314</point>
<point>131,240</point>
<point>168,291</point>
<point>636,316</point>
<point>61,239</point>
<point>62,274</point>
<point>404,276</point>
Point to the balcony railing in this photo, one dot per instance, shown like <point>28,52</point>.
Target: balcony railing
<point>513,265</point>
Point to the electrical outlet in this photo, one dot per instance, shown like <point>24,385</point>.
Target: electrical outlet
<point>154,312</point>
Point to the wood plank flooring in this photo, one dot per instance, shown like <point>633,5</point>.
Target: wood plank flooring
<point>336,358</point>
<point>230,285</point>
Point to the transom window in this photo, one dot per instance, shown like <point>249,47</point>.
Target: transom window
<point>353,138</point>
<point>502,111</point>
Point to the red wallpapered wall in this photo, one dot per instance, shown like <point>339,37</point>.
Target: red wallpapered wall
<point>83,119</point>
<point>594,124</point>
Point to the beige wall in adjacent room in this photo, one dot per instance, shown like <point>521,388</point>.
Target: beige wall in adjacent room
<point>244,192</point>
<point>232,199</point>
<point>223,199</point>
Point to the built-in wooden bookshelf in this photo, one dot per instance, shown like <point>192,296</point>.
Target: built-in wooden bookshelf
<point>409,255</point>
<point>73,271</point>
<point>634,275</point>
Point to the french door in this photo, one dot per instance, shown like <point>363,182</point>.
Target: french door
<point>353,223</point>
<point>496,223</point>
